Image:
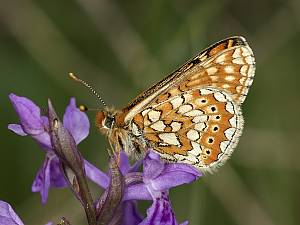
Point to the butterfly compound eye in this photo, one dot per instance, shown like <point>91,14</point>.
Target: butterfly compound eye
<point>108,122</point>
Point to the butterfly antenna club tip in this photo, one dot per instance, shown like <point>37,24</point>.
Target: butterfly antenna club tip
<point>74,77</point>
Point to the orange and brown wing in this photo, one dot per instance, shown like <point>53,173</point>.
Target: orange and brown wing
<point>193,115</point>
<point>228,65</point>
<point>199,127</point>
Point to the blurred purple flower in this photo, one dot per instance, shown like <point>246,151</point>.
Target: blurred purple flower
<point>32,123</point>
<point>8,215</point>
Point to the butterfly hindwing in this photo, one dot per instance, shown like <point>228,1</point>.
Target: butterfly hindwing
<point>199,127</point>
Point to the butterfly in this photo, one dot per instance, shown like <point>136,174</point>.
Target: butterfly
<point>191,116</point>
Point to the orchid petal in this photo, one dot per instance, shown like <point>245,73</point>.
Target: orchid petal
<point>131,214</point>
<point>76,122</point>
<point>160,212</point>
<point>175,174</point>
<point>29,114</point>
<point>137,192</point>
<point>8,215</point>
<point>96,175</point>
<point>41,182</point>
<point>17,129</point>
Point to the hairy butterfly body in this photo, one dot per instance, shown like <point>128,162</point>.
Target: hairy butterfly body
<point>193,115</point>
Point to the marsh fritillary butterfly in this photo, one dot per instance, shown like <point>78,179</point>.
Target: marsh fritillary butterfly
<point>193,115</point>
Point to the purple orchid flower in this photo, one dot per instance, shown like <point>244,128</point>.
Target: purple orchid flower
<point>8,215</point>
<point>153,184</point>
<point>159,177</point>
<point>32,123</point>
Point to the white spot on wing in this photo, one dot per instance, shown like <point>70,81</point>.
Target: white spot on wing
<point>214,78</point>
<point>229,69</point>
<point>187,97</point>
<point>225,86</point>
<point>175,126</point>
<point>200,119</point>
<point>135,130</point>
<point>200,126</point>
<point>251,71</point>
<point>249,82</point>
<point>167,156</point>
<point>233,121</point>
<point>224,145</point>
<point>246,51</point>
<point>154,115</point>
<point>189,159</point>
<point>205,91</point>
<point>193,135</point>
<point>243,80</point>
<point>176,102</point>
<point>159,126</point>
<point>229,78</point>
<point>196,151</point>
<point>239,61</point>
<point>249,59</point>
<point>238,88</point>
<point>244,69</point>
<point>229,133</point>
<point>237,53</point>
<point>229,107</point>
<point>211,70</point>
<point>169,138</point>
<point>220,58</point>
<point>184,108</point>
<point>220,97</point>
<point>195,112</point>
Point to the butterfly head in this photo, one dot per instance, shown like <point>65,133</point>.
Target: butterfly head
<point>110,122</point>
<point>105,120</point>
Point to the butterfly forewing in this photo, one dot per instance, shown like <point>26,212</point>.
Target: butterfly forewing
<point>226,50</point>
<point>194,115</point>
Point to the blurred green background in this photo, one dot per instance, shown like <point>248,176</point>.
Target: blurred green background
<point>121,48</point>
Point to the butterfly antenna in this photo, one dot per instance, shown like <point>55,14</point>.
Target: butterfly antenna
<point>72,76</point>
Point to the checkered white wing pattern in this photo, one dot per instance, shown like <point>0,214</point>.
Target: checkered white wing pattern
<point>199,127</point>
<point>231,69</point>
<point>228,65</point>
<point>172,119</point>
